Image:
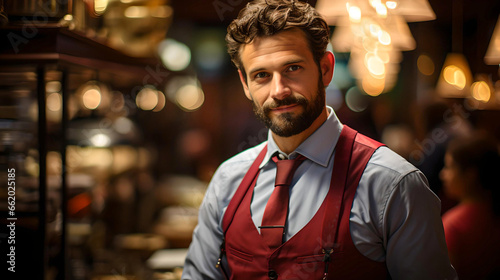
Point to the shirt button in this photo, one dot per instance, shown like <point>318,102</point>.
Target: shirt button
<point>281,156</point>
<point>272,274</point>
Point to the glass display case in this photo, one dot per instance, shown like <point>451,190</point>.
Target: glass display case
<point>66,132</point>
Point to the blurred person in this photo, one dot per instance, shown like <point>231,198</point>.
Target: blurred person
<point>430,120</point>
<point>472,228</point>
<point>373,216</point>
<point>437,123</point>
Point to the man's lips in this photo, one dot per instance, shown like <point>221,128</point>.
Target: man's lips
<point>284,108</point>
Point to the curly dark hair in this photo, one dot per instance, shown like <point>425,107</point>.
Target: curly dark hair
<point>268,17</point>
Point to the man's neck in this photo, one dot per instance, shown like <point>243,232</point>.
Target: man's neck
<point>289,144</point>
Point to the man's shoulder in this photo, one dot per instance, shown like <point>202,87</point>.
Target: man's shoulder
<point>387,162</point>
<point>385,157</point>
<point>387,173</point>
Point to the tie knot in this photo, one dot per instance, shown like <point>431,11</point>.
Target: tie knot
<point>285,169</point>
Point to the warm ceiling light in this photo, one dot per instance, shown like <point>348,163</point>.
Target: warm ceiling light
<point>381,10</point>
<point>400,33</point>
<point>373,86</point>
<point>136,12</point>
<point>100,6</point>
<point>384,38</point>
<point>369,44</point>
<point>455,78</point>
<point>391,5</point>
<point>354,13</point>
<point>384,56</point>
<point>375,3</point>
<point>375,65</point>
<point>481,91</point>
<point>411,10</point>
<point>453,75</point>
<point>415,10</point>
<point>493,53</point>
<point>375,29</point>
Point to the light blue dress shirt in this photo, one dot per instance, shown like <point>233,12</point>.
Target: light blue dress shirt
<point>395,217</point>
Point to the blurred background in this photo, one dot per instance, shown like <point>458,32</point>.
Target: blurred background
<point>116,113</point>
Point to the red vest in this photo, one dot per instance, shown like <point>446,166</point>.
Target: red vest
<point>323,249</point>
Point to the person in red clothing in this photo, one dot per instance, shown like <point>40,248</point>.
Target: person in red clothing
<point>472,228</point>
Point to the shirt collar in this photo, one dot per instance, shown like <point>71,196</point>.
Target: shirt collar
<point>318,147</point>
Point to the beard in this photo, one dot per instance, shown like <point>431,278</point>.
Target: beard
<point>289,124</point>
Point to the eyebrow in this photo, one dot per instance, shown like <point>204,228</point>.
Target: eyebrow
<point>294,61</point>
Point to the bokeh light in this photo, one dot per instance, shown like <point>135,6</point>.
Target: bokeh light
<point>136,12</point>
<point>53,86</point>
<point>354,13</point>
<point>391,4</point>
<point>375,65</point>
<point>355,100</point>
<point>100,140</point>
<point>454,76</point>
<point>91,98</point>
<point>425,65</point>
<point>54,102</point>
<point>100,6</point>
<point>384,38</point>
<point>190,97</point>
<point>175,55</point>
<point>373,86</point>
<point>161,101</point>
<point>123,125</point>
<point>147,98</point>
<point>481,91</point>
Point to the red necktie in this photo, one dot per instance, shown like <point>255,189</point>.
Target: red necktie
<point>274,219</point>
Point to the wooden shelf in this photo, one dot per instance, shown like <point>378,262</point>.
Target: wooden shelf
<point>53,44</point>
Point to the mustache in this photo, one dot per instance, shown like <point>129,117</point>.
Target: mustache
<point>289,100</point>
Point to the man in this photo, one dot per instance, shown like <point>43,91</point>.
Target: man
<point>356,210</point>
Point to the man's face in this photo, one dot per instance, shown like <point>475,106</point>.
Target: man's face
<point>284,82</point>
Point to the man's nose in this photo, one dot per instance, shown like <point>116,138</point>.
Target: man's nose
<point>280,88</point>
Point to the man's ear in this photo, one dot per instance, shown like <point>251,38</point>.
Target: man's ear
<point>244,84</point>
<point>327,65</point>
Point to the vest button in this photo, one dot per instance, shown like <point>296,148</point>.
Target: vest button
<point>272,274</point>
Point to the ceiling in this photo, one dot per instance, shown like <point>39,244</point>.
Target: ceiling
<point>478,21</point>
<point>223,11</point>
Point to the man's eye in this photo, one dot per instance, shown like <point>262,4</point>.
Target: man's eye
<point>293,68</point>
<point>260,75</point>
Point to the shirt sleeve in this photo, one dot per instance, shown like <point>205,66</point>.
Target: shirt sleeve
<point>413,232</point>
<point>207,237</point>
